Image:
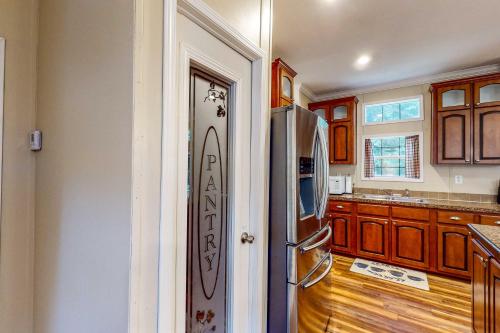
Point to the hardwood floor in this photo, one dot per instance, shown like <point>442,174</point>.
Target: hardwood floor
<point>365,304</point>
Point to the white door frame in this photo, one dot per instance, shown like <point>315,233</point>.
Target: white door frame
<point>169,293</point>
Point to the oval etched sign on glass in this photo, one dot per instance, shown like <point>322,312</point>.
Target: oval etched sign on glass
<point>210,212</point>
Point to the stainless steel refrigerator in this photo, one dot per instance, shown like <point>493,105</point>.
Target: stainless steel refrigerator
<point>299,236</point>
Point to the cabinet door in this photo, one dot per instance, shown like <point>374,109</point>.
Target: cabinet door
<point>410,243</point>
<point>479,288</point>
<point>454,255</point>
<point>454,137</point>
<point>487,135</point>
<point>487,93</point>
<point>494,295</point>
<point>373,237</point>
<point>343,111</point>
<point>454,97</point>
<point>342,147</point>
<point>341,239</point>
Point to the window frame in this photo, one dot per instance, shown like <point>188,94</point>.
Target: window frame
<point>391,101</point>
<point>392,178</point>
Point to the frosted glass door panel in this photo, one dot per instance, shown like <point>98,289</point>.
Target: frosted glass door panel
<point>340,112</point>
<point>453,98</point>
<point>489,93</point>
<point>286,87</point>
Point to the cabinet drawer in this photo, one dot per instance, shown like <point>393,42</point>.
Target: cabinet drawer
<point>367,209</point>
<point>340,206</point>
<point>490,220</point>
<point>408,213</point>
<point>445,216</point>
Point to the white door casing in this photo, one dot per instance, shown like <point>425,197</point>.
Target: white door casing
<point>250,167</point>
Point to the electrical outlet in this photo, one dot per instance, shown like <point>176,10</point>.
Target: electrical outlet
<point>459,179</point>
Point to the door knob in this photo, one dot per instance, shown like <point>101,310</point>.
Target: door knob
<point>246,238</point>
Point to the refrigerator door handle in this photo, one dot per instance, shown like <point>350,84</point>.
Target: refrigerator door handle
<point>317,190</point>
<point>325,239</point>
<point>307,284</point>
<point>324,160</point>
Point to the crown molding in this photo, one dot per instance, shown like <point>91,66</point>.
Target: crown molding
<point>454,75</point>
<point>308,93</point>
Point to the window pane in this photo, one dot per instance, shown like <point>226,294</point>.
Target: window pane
<point>390,163</point>
<point>373,114</point>
<point>391,112</point>
<point>410,110</point>
<point>397,111</point>
<point>390,172</point>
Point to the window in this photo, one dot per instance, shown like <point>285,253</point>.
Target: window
<point>408,109</point>
<point>393,157</point>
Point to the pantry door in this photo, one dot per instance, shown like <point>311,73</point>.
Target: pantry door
<point>214,98</point>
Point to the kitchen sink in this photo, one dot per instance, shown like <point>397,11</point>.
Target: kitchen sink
<point>396,198</point>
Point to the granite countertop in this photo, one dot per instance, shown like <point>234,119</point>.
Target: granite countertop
<point>465,206</point>
<point>490,235</point>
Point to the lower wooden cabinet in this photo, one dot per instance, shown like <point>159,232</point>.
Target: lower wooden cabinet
<point>410,243</point>
<point>453,250</point>
<point>480,260</point>
<point>373,237</point>
<point>341,239</point>
<point>485,284</point>
<point>494,295</point>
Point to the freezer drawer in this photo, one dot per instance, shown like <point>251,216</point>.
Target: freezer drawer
<point>310,303</point>
<point>303,258</point>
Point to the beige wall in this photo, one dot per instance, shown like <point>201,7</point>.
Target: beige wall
<point>245,16</point>
<point>83,173</point>
<point>18,26</point>
<point>477,179</point>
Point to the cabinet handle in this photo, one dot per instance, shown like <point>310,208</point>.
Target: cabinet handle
<point>394,223</point>
<point>497,222</point>
<point>467,105</point>
<point>478,104</point>
<point>340,206</point>
<point>386,222</point>
<point>468,161</point>
<point>455,218</point>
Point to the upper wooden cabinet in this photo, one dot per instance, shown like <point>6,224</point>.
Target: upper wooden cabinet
<point>453,97</point>
<point>282,84</point>
<point>341,117</point>
<point>487,92</point>
<point>466,132</point>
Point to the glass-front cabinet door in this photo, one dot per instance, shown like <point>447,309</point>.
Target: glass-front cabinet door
<point>487,93</point>
<point>340,112</point>
<point>455,97</point>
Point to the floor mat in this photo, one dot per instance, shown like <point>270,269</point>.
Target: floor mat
<point>391,273</point>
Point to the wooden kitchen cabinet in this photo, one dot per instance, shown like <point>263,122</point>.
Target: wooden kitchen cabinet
<point>341,117</point>
<point>480,260</point>
<point>453,97</point>
<point>410,243</point>
<point>465,132</point>
<point>485,282</point>
<point>282,79</point>
<point>454,137</point>
<point>487,92</point>
<point>494,295</point>
<point>341,239</point>
<point>373,237</point>
<point>487,135</point>
<point>453,250</point>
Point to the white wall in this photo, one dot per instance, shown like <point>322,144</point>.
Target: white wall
<point>83,173</point>
<point>18,21</point>
<point>477,179</point>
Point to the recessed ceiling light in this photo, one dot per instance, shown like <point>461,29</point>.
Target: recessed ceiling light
<point>362,61</point>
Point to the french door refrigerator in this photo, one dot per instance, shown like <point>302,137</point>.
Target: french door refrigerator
<point>299,237</point>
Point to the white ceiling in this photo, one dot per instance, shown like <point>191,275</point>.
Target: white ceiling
<point>407,39</point>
